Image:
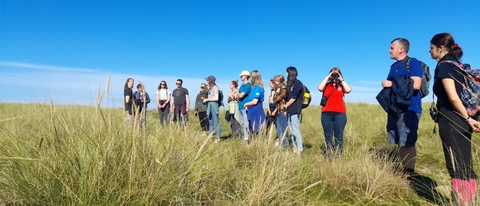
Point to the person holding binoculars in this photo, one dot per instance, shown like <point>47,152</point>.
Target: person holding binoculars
<point>334,117</point>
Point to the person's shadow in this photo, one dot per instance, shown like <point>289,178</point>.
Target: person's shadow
<point>424,187</point>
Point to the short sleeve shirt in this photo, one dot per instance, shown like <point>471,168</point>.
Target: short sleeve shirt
<point>399,68</point>
<point>179,95</point>
<point>245,88</point>
<point>257,93</point>
<point>450,71</point>
<point>163,94</point>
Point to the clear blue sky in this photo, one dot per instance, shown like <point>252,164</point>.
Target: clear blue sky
<point>64,50</point>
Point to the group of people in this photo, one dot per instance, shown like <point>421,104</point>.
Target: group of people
<point>455,125</point>
<point>246,114</point>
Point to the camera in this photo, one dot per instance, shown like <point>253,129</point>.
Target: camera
<point>434,114</point>
<point>334,75</point>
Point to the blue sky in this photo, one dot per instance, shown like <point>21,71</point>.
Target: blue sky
<point>65,50</point>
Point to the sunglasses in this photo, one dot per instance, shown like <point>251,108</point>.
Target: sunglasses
<point>162,84</point>
<point>178,84</point>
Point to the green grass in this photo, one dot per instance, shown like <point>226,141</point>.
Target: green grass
<point>80,155</point>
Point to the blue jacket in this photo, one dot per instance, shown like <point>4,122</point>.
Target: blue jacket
<point>397,98</point>
<point>138,97</point>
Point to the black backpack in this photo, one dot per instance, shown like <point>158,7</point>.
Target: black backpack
<point>307,98</point>
<point>426,77</point>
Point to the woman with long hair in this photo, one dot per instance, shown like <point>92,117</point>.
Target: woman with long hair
<point>334,112</point>
<point>213,106</point>
<point>279,97</point>
<point>254,105</point>
<point>163,102</point>
<point>294,108</point>
<point>201,108</point>
<point>233,113</point>
<point>455,124</point>
<point>128,99</point>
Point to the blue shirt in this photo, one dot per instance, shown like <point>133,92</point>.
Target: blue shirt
<point>400,68</point>
<point>245,88</point>
<point>257,93</point>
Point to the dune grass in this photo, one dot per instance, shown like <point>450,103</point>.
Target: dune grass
<point>81,155</point>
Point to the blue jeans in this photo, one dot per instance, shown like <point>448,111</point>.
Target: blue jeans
<point>244,122</point>
<point>282,123</point>
<point>213,119</point>
<point>294,124</point>
<point>333,124</point>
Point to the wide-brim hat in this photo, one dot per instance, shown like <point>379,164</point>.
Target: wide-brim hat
<point>245,73</point>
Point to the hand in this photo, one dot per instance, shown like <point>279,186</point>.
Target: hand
<point>475,125</point>
<point>386,83</point>
<point>195,113</point>
<point>188,109</point>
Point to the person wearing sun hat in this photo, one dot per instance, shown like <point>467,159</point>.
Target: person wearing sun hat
<point>242,97</point>
<point>213,106</point>
<point>201,108</point>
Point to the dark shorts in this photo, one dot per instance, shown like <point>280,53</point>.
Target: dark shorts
<point>402,130</point>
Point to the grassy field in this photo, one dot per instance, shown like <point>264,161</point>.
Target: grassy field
<point>81,155</point>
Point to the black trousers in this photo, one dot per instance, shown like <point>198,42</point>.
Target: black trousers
<point>202,117</point>
<point>456,136</point>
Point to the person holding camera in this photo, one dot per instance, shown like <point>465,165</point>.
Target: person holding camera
<point>455,124</point>
<point>201,108</point>
<point>405,108</point>
<point>163,102</point>
<point>334,117</point>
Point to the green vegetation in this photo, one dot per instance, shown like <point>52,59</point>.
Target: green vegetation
<point>80,155</point>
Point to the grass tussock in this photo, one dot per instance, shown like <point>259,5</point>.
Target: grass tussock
<point>79,155</point>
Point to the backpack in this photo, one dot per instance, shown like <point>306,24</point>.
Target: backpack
<point>426,77</point>
<point>471,87</point>
<point>307,98</point>
<point>220,98</point>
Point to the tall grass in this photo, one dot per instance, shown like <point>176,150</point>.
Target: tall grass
<point>80,155</point>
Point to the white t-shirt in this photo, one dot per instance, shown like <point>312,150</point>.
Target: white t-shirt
<point>163,94</point>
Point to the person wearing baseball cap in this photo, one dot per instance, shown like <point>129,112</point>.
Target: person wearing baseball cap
<point>242,97</point>
<point>213,106</point>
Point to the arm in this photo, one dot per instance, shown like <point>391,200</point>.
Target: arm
<point>158,101</point>
<point>148,97</point>
<point>346,88</point>
<point>172,106</point>
<point>417,82</point>
<point>168,99</point>
<point>321,86</point>
<point>456,102</point>
<point>277,99</point>
<point>253,102</point>
<point>188,102</point>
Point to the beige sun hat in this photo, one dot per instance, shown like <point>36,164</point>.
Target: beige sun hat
<point>245,73</point>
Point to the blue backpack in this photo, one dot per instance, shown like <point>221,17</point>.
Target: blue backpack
<point>471,87</point>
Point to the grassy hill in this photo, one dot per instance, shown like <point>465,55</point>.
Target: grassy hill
<point>80,155</point>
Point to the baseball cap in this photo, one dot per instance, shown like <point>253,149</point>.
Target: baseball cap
<point>211,78</point>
